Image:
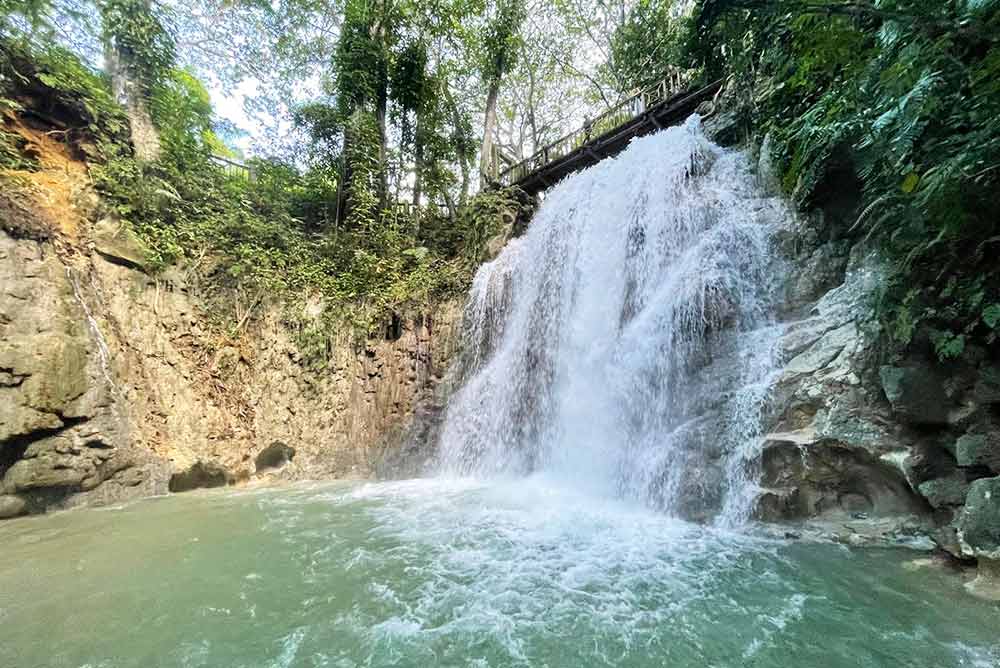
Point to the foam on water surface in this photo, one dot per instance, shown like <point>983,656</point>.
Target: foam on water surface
<point>518,572</point>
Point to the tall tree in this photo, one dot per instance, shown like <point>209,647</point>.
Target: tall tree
<point>500,39</point>
<point>361,88</point>
<point>139,54</point>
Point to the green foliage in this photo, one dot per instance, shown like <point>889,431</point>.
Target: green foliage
<point>140,40</point>
<point>501,39</point>
<point>182,112</point>
<point>897,102</point>
<point>321,230</point>
<point>363,179</point>
<point>651,37</point>
<point>411,87</point>
<point>361,64</point>
<point>71,91</point>
<point>324,126</point>
<point>12,153</point>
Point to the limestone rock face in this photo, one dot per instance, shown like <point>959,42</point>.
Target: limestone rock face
<point>113,383</point>
<point>61,433</point>
<point>855,435</point>
<point>833,447</point>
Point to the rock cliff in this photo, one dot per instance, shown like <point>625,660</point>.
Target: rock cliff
<point>115,383</point>
<point>868,444</point>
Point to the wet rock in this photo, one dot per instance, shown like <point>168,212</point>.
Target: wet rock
<point>916,393</point>
<point>979,450</point>
<point>850,419</point>
<point>776,505</point>
<point>945,492</point>
<point>829,478</point>
<point>979,522</point>
<point>823,270</point>
<point>200,475</point>
<point>800,335</point>
<point>274,456</point>
<point>767,174</point>
<point>724,126</point>
<point>824,351</point>
<point>12,506</point>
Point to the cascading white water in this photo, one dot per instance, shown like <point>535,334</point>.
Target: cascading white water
<point>626,342</point>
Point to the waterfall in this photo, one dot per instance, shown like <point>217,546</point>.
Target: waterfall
<point>626,344</point>
<point>104,353</point>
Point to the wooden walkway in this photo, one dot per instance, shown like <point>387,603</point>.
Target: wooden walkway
<point>666,103</point>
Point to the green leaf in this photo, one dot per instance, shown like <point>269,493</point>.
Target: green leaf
<point>910,183</point>
<point>991,316</point>
<point>948,345</point>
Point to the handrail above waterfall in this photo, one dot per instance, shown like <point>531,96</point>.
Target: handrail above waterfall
<point>665,103</point>
<point>233,168</point>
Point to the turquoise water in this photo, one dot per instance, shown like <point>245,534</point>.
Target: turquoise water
<point>459,573</point>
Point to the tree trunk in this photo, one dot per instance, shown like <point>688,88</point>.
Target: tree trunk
<point>132,94</point>
<point>383,171</point>
<point>486,166</point>
<point>341,212</point>
<point>380,35</point>
<point>463,164</point>
<point>418,163</point>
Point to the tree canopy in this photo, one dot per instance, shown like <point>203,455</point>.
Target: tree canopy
<point>375,122</point>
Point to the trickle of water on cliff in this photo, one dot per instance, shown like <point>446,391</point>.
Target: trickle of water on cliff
<point>625,344</point>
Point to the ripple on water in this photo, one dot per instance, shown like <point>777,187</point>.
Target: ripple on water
<point>460,573</point>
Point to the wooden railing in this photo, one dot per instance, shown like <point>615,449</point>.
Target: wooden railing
<point>670,85</point>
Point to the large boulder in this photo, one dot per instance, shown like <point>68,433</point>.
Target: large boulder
<point>274,456</point>
<point>917,394</point>
<point>947,492</point>
<point>115,242</point>
<point>979,523</point>
<point>979,450</point>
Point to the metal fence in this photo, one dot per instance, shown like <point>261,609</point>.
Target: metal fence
<point>233,168</point>
<point>672,84</point>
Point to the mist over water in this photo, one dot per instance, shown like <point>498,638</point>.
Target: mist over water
<point>625,344</point>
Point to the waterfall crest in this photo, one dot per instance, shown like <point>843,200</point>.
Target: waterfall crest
<point>626,343</point>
